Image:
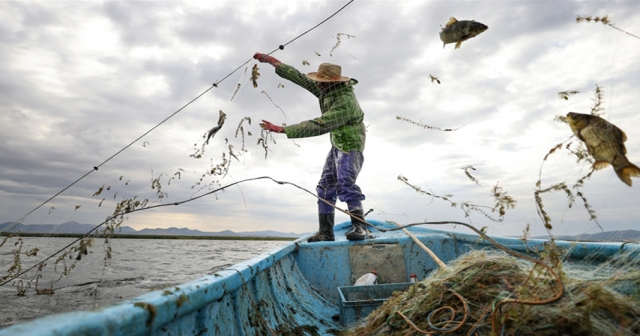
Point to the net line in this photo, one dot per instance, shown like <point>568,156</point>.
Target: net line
<point>111,217</point>
<point>341,114</point>
<point>95,168</point>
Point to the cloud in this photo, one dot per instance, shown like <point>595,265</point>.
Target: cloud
<point>83,80</point>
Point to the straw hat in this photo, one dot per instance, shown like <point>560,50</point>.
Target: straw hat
<point>328,72</point>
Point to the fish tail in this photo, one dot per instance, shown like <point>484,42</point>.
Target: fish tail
<point>627,172</point>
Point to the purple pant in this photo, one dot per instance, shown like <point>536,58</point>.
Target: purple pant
<point>338,180</point>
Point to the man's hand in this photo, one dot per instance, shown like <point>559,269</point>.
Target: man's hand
<point>267,126</point>
<point>267,59</point>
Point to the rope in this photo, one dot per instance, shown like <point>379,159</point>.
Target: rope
<point>614,27</point>
<point>445,328</point>
<point>158,206</point>
<point>310,193</point>
<point>314,27</point>
<point>45,202</point>
<point>281,47</point>
<point>496,308</point>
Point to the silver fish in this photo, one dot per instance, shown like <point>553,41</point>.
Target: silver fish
<point>215,130</point>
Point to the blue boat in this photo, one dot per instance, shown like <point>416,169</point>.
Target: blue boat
<point>298,289</point>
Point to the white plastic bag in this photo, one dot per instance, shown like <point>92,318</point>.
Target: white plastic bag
<point>367,279</point>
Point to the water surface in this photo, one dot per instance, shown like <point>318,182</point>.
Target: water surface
<point>138,266</point>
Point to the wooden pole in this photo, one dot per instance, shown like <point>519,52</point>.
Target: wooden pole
<point>424,247</point>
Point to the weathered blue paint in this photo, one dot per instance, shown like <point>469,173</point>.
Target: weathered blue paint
<point>292,286</point>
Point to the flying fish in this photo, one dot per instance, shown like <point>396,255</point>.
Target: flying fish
<point>458,31</point>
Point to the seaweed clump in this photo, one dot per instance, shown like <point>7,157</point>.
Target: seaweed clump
<point>465,299</point>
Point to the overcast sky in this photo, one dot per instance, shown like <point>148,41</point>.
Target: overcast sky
<point>81,80</point>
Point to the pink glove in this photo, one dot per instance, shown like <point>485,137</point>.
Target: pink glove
<point>267,126</point>
<point>267,59</point>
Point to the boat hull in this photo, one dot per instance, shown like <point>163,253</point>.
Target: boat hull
<point>291,290</point>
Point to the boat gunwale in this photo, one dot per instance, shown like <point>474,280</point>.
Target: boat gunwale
<point>135,316</point>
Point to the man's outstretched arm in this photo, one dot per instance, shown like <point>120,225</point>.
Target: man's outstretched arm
<point>290,73</point>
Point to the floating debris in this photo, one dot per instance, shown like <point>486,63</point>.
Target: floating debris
<point>339,41</point>
<point>427,126</point>
<point>235,92</point>
<point>99,191</point>
<point>565,94</point>
<point>605,20</point>
<point>274,104</point>
<point>254,75</point>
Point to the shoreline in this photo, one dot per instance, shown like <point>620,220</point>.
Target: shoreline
<point>136,236</point>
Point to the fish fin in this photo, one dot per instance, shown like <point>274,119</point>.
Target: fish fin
<point>458,44</point>
<point>451,21</point>
<point>590,148</point>
<point>600,164</point>
<point>627,172</point>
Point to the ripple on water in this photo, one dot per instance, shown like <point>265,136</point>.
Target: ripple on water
<point>138,266</point>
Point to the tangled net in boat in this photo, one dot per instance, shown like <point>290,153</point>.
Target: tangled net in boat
<point>465,299</point>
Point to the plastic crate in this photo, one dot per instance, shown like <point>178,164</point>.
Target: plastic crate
<point>357,302</point>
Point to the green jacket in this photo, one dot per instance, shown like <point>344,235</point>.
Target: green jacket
<point>341,113</point>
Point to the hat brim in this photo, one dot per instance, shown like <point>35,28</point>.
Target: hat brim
<point>314,76</point>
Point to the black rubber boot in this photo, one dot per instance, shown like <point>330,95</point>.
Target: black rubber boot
<point>358,229</point>
<point>325,233</point>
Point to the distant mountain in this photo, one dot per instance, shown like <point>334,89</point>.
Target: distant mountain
<point>607,236</point>
<point>68,227</point>
<point>74,227</point>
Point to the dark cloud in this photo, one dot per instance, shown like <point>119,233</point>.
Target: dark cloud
<point>40,17</point>
<point>67,107</point>
<point>139,23</point>
<point>207,26</point>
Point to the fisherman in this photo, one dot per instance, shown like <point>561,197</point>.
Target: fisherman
<point>343,119</point>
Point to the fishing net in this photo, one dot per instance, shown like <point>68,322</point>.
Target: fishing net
<point>171,174</point>
<point>466,299</point>
<point>163,178</point>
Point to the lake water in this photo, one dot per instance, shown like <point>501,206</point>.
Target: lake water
<point>138,266</point>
